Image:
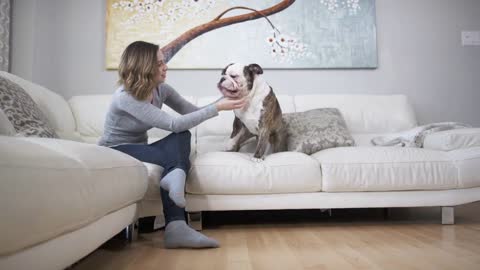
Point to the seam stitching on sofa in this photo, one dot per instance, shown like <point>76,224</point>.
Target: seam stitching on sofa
<point>403,162</point>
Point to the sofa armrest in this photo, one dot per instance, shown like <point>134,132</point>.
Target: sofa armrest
<point>50,187</point>
<point>453,139</point>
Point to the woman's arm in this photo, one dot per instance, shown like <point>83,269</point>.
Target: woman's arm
<point>175,101</point>
<point>153,116</point>
<point>179,104</point>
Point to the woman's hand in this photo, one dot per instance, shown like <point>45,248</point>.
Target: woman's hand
<point>226,104</point>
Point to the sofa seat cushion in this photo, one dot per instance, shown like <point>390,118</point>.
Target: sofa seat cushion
<point>365,139</point>
<point>154,174</point>
<point>453,139</point>
<point>50,187</point>
<point>237,173</point>
<point>386,168</point>
<point>467,161</point>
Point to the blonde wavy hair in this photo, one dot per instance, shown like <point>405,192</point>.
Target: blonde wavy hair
<point>138,69</point>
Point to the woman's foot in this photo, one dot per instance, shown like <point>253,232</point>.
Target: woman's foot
<point>179,235</point>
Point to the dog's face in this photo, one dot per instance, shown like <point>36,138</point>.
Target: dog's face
<point>237,79</point>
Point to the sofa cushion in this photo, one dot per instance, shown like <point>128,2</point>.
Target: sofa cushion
<point>385,169</point>
<point>236,173</point>
<point>90,112</point>
<point>23,113</point>
<point>364,139</point>
<point>315,130</point>
<point>154,174</point>
<point>49,187</point>
<point>467,162</point>
<point>365,113</point>
<point>449,140</point>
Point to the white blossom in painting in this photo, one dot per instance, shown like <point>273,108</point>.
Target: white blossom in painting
<point>150,9</point>
<point>331,5</point>
<point>334,5</point>
<point>286,48</point>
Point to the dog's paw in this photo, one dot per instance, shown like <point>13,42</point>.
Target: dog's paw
<point>229,149</point>
<point>230,146</point>
<point>257,160</point>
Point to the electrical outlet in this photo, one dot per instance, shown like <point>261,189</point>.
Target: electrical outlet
<point>470,38</point>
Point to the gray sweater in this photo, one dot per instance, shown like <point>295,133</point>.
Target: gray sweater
<point>128,119</point>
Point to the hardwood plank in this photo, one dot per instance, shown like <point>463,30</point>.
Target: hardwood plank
<point>405,241</point>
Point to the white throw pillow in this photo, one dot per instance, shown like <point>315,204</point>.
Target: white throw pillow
<point>6,128</point>
<point>453,139</point>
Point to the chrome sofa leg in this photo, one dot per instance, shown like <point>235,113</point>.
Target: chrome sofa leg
<point>131,231</point>
<point>386,213</point>
<point>448,215</point>
<point>195,220</point>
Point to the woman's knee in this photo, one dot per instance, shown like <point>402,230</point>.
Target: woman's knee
<point>185,136</point>
<point>183,140</point>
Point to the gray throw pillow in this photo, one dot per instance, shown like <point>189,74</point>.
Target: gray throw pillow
<point>315,130</point>
<point>22,112</point>
<point>6,128</point>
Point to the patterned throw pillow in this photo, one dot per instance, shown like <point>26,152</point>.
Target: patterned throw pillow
<point>315,130</point>
<point>6,128</point>
<point>22,112</point>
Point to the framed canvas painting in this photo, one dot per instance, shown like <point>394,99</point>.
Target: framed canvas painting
<point>306,35</point>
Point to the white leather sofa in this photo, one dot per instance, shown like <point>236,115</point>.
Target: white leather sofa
<point>364,176</point>
<point>60,199</point>
<point>346,177</point>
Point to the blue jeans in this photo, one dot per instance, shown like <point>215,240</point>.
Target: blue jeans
<point>171,152</point>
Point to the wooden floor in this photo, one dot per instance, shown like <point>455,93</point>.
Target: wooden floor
<point>349,239</point>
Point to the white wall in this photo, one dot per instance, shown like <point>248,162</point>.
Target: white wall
<point>60,44</point>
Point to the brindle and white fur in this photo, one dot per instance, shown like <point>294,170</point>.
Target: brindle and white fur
<point>261,117</point>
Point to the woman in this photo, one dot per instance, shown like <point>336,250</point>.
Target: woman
<point>135,108</point>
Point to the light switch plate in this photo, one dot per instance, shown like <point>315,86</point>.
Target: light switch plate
<point>471,38</point>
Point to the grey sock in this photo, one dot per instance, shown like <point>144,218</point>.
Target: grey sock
<point>174,183</point>
<point>179,235</point>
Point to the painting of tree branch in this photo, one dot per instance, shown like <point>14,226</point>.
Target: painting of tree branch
<point>208,34</point>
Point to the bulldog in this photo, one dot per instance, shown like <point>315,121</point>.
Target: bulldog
<point>261,117</point>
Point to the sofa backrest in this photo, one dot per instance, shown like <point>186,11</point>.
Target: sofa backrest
<point>365,113</point>
<point>90,112</point>
<point>82,117</point>
<point>52,105</point>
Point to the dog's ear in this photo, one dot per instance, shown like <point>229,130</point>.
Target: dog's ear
<point>255,68</point>
<point>224,71</point>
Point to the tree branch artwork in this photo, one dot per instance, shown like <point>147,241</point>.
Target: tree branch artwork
<point>173,47</point>
<point>281,45</point>
<point>293,34</point>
